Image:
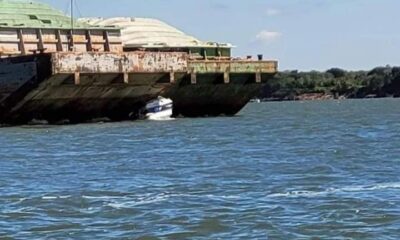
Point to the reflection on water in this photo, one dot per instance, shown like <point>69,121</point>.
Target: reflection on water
<point>277,171</point>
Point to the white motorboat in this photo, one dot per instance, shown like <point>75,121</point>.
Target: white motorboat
<point>159,109</point>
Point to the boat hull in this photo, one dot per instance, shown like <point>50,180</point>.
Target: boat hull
<point>159,116</point>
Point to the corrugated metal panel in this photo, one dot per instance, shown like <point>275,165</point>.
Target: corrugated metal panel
<point>150,33</point>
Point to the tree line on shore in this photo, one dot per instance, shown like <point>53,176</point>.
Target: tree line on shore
<point>334,83</point>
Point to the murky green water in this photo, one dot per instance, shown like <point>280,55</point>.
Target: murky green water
<point>291,170</point>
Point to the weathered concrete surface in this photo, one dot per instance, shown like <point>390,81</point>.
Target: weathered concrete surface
<point>236,66</point>
<point>83,86</point>
<point>131,62</point>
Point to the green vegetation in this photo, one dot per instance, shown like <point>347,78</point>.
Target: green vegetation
<point>379,82</point>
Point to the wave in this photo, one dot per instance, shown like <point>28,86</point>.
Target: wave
<point>149,199</point>
<point>162,119</point>
<point>143,200</point>
<point>361,188</point>
<point>102,197</point>
<point>55,197</point>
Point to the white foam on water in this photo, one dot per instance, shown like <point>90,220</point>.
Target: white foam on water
<point>145,199</point>
<point>151,199</point>
<point>297,194</point>
<point>223,197</point>
<point>137,202</point>
<point>102,197</point>
<point>49,198</point>
<point>65,197</point>
<point>21,200</point>
<point>55,197</point>
<point>361,188</point>
<point>162,119</point>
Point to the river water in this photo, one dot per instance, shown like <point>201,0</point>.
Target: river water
<point>290,170</point>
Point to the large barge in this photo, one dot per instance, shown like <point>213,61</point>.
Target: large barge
<point>110,68</point>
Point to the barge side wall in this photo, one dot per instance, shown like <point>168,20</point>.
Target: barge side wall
<point>82,86</point>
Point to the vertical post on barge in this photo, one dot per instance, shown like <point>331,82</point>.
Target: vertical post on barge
<point>72,16</point>
<point>71,47</point>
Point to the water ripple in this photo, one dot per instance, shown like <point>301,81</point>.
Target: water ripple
<point>301,170</point>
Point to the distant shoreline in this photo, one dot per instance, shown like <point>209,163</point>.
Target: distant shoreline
<point>335,83</point>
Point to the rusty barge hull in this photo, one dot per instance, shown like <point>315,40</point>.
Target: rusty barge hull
<point>219,87</point>
<point>79,87</point>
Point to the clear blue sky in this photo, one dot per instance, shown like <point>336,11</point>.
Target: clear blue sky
<point>301,34</point>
